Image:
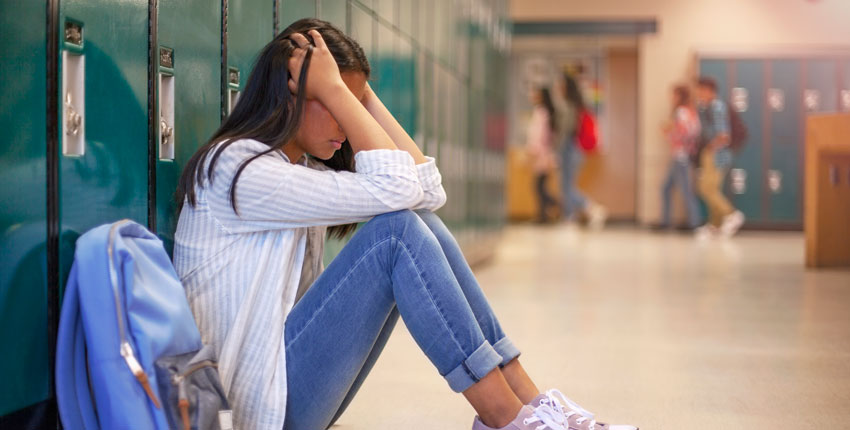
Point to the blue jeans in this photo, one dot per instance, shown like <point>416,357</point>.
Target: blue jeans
<point>401,263</point>
<point>571,160</point>
<point>680,173</point>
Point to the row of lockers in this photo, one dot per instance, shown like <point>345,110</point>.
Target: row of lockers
<point>773,97</point>
<point>105,101</point>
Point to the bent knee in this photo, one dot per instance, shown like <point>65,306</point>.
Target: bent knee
<point>400,223</point>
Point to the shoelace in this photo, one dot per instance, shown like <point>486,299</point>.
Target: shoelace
<point>549,418</point>
<point>554,399</point>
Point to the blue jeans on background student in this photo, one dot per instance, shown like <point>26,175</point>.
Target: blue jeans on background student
<point>571,159</point>
<point>401,263</point>
<point>679,173</point>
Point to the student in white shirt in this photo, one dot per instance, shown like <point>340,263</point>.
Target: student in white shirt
<point>310,147</point>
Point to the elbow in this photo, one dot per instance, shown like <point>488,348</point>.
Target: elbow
<point>439,199</point>
<point>407,198</point>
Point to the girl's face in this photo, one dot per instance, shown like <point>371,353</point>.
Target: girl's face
<point>319,134</point>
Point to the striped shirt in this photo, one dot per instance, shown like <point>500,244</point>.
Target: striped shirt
<point>242,271</point>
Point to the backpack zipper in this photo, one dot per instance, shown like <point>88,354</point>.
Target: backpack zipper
<point>182,401</point>
<point>125,349</point>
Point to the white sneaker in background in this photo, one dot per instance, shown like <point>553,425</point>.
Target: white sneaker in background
<point>597,215</point>
<point>732,223</point>
<point>705,232</point>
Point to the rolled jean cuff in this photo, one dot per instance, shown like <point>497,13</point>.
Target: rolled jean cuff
<point>476,366</point>
<point>507,350</point>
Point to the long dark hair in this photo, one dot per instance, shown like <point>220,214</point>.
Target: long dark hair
<point>268,112</point>
<point>546,101</point>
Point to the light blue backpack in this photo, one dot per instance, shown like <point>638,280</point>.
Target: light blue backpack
<point>128,354</point>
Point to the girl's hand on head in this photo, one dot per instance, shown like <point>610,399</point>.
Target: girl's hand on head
<point>323,78</point>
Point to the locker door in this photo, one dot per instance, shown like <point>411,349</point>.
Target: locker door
<point>747,97</point>
<point>406,86</point>
<point>103,124</point>
<point>293,10</point>
<point>383,68</point>
<point>782,179</point>
<point>250,27</point>
<point>188,86</point>
<point>24,367</point>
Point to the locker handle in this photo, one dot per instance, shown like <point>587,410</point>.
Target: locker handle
<point>73,103</point>
<point>167,136</point>
<point>73,119</point>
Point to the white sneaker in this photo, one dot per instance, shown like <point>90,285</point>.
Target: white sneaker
<point>541,417</point>
<point>705,232</point>
<point>732,223</point>
<point>573,416</point>
<point>598,215</point>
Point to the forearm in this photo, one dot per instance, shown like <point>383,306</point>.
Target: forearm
<point>361,129</point>
<point>391,126</point>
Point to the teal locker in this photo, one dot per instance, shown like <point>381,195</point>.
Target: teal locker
<point>188,85</point>
<point>250,27</point>
<point>103,123</point>
<point>747,95</point>
<point>782,180</point>
<point>24,368</point>
<point>407,100</point>
<point>334,11</point>
<point>293,10</point>
<point>383,67</point>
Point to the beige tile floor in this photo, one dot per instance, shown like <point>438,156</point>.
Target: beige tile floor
<point>652,329</point>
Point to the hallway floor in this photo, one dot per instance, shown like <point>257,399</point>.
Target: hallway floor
<point>656,330</point>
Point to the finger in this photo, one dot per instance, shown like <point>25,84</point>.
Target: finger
<point>300,40</point>
<point>317,39</point>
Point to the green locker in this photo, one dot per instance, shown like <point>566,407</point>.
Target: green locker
<point>783,180</point>
<point>188,85</point>
<point>744,184</point>
<point>293,10</point>
<point>249,28</point>
<point>406,99</point>
<point>103,123</point>
<point>383,67</point>
<point>24,367</point>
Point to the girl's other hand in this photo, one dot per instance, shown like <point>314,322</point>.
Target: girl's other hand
<point>323,78</point>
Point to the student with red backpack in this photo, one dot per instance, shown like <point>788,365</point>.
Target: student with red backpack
<point>578,136</point>
<point>722,131</point>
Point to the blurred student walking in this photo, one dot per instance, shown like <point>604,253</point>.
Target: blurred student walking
<point>682,132</point>
<point>715,158</point>
<point>539,143</point>
<point>569,115</point>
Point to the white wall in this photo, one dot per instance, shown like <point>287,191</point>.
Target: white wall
<point>688,26</point>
